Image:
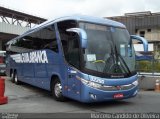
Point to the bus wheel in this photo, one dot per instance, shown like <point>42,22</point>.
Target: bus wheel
<point>16,78</point>
<point>12,77</point>
<point>57,90</point>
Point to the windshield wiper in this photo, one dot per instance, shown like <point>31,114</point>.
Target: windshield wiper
<point>112,62</point>
<point>118,55</point>
<point>124,63</point>
<point>109,62</point>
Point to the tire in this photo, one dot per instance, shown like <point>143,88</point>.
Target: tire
<point>56,90</point>
<point>16,81</point>
<point>12,77</point>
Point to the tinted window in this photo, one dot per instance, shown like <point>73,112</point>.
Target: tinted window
<point>42,39</point>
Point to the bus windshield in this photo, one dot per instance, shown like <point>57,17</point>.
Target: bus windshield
<point>109,49</point>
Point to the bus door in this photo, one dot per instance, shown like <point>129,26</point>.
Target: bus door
<point>73,58</point>
<point>70,45</point>
<point>74,85</point>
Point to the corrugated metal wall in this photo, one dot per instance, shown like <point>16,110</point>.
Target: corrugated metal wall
<point>139,22</point>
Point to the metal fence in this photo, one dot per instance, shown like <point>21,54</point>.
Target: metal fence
<point>148,66</point>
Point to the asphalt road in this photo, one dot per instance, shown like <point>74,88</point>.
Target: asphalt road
<point>28,99</point>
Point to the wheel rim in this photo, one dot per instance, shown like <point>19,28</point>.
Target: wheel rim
<point>58,89</point>
<point>16,79</point>
<point>12,75</point>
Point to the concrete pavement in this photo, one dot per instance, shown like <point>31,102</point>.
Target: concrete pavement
<point>28,99</point>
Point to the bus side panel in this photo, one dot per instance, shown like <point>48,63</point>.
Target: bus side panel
<point>19,69</point>
<point>58,70</point>
<point>56,67</point>
<point>40,70</point>
<point>44,71</point>
<point>27,68</point>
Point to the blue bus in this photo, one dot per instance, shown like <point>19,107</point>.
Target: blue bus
<point>84,58</point>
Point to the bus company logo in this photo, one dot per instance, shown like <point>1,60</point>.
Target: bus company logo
<point>32,57</point>
<point>118,87</point>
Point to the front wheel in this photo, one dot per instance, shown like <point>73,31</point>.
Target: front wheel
<point>56,90</point>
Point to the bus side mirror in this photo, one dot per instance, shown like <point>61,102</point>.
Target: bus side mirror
<point>141,39</point>
<point>82,34</point>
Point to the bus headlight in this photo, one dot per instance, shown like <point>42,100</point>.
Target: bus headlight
<point>84,81</point>
<point>94,85</point>
<point>135,83</point>
<point>91,84</point>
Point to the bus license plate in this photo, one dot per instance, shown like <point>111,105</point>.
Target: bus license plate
<point>119,95</point>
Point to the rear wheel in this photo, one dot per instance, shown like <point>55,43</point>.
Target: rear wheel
<point>56,90</point>
<point>16,81</point>
<point>12,76</point>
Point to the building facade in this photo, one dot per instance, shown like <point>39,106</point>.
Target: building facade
<point>14,23</point>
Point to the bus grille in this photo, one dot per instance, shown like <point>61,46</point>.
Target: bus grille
<point>116,88</point>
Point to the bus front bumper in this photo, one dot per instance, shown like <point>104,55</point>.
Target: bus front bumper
<point>90,94</point>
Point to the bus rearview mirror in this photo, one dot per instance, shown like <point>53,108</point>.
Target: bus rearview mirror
<point>141,39</point>
<point>82,35</point>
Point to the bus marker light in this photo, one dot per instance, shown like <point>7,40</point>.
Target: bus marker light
<point>65,87</point>
<point>135,93</point>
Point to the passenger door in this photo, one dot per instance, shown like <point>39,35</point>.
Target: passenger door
<point>70,45</point>
<point>73,58</point>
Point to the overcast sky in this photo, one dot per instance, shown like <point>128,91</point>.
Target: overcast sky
<point>50,9</point>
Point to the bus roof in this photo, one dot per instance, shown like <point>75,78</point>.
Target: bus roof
<point>84,18</point>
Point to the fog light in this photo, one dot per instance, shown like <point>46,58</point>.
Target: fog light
<point>93,96</point>
<point>135,93</point>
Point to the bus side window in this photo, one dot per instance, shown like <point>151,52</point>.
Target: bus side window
<point>42,39</point>
<point>21,45</point>
<point>48,35</point>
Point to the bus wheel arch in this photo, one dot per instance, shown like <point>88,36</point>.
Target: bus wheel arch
<point>56,88</point>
